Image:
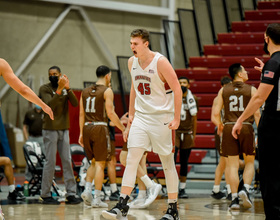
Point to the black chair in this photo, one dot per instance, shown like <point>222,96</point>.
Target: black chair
<point>35,165</point>
<point>77,155</point>
<point>154,170</point>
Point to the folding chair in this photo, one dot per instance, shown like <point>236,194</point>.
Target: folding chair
<point>35,165</point>
<point>154,170</point>
<point>77,156</point>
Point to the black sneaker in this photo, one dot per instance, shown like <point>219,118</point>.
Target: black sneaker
<point>229,197</point>
<point>171,213</point>
<point>244,195</point>
<point>119,211</point>
<point>115,196</point>
<point>218,195</point>
<point>234,205</point>
<point>16,195</point>
<point>72,200</point>
<point>49,201</point>
<point>182,194</point>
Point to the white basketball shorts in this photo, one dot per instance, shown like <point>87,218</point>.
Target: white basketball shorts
<point>150,131</point>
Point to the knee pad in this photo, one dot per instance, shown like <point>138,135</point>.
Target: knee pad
<point>171,176</point>
<point>132,162</point>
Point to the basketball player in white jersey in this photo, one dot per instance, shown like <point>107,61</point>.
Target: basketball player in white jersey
<point>154,111</point>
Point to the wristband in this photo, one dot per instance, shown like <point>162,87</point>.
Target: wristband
<point>58,93</point>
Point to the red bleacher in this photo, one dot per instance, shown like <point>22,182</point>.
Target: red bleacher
<point>212,74</point>
<point>261,15</point>
<point>224,61</point>
<point>251,26</point>
<point>233,50</point>
<point>241,38</point>
<point>268,5</point>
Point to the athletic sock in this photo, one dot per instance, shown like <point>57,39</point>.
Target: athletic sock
<point>147,181</point>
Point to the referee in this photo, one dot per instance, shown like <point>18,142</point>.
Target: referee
<point>269,126</point>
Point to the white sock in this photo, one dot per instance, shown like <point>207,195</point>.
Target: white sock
<point>147,181</point>
<point>216,188</point>
<point>123,195</point>
<point>182,185</point>
<point>97,193</point>
<point>88,186</point>
<point>141,194</point>
<point>228,189</point>
<point>12,188</point>
<point>172,200</point>
<point>234,195</point>
<point>114,187</point>
<point>247,186</point>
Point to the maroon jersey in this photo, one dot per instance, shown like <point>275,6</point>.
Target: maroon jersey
<point>94,103</point>
<point>236,97</point>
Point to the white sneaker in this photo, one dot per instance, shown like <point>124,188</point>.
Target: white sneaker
<point>97,203</point>
<point>1,214</point>
<point>87,197</point>
<point>137,203</point>
<point>152,194</point>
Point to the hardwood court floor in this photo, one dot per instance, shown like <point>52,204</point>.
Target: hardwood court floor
<point>191,209</point>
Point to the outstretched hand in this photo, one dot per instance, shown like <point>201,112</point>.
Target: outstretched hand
<point>261,64</point>
<point>49,111</point>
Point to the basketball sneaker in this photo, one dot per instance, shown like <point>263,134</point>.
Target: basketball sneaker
<point>115,196</point>
<point>218,195</point>
<point>171,213</point>
<point>16,195</point>
<point>244,195</point>
<point>152,193</point>
<point>97,203</point>
<point>119,212</point>
<point>182,194</point>
<point>138,203</point>
<point>229,197</point>
<point>234,205</point>
<point>87,197</point>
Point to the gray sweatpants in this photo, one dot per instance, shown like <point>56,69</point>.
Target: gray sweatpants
<point>57,140</point>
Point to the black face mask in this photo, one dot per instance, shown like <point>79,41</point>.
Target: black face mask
<point>265,48</point>
<point>184,89</point>
<point>54,80</point>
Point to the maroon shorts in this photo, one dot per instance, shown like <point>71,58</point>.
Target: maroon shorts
<point>244,144</point>
<point>97,142</point>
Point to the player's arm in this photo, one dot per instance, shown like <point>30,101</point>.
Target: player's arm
<point>81,121</point>
<point>169,75</point>
<point>132,96</point>
<point>216,111</point>
<point>10,78</point>
<point>110,109</point>
<point>257,114</point>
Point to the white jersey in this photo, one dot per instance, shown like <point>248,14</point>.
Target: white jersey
<point>151,94</point>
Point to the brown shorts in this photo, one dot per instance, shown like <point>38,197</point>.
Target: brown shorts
<point>244,144</point>
<point>97,142</point>
<point>184,140</point>
<point>113,148</point>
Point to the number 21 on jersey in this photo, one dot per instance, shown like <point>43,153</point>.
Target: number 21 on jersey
<point>236,103</point>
